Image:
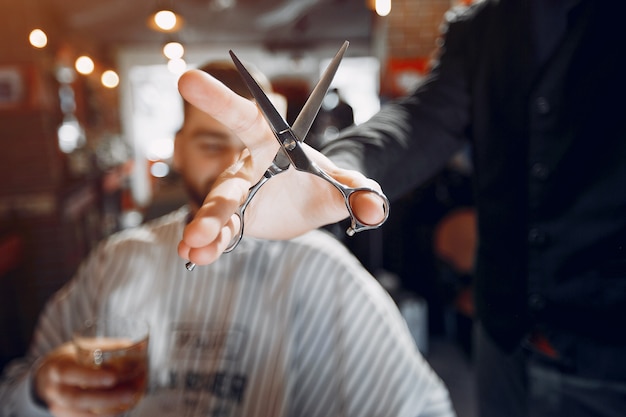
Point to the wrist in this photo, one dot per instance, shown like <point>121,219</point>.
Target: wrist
<point>35,398</point>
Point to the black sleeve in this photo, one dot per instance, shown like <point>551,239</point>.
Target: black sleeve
<point>412,138</point>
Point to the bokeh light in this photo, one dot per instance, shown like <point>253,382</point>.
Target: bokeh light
<point>159,169</point>
<point>38,38</point>
<point>383,7</point>
<point>84,65</point>
<point>70,135</point>
<point>165,19</point>
<point>173,50</point>
<point>110,79</point>
<point>177,66</point>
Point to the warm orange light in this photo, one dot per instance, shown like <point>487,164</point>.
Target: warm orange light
<point>38,38</point>
<point>165,21</point>
<point>110,79</point>
<point>383,7</point>
<point>173,50</point>
<point>84,65</point>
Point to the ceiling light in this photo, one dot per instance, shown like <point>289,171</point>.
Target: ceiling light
<point>84,65</point>
<point>165,20</point>
<point>383,7</point>
<point>38,38</point>
<point>173,50</point>
<point>110,79</point>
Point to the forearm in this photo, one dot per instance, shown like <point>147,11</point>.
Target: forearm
<point>412,138</point>
<point>397,148</point>
<point>17,393</point>
<point>53,329</point>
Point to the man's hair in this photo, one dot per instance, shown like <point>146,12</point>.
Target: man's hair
<point>226,72</point>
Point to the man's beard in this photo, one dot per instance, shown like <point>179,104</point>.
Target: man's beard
<point>196,196</point>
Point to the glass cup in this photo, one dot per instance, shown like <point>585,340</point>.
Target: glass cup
<point>119,345</point>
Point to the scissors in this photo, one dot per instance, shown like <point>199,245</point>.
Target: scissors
<point>292,152</point>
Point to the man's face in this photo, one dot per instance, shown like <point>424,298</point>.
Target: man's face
<point>203,149</point>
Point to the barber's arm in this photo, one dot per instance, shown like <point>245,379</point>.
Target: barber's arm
<point>413,137</point>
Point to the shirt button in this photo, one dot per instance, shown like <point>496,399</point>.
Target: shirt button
<point>536,302</point>
<point>536,236</point>
<point>539,171</point>
<point>543,105</point>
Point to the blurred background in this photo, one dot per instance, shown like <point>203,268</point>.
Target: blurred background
<point>89,108</point>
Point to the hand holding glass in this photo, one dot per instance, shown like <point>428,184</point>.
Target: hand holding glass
<point>118,345</point>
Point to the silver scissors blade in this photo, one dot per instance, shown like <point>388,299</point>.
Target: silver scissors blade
<point>273,117</point>
<point>307,115</point>
<point>309,111</point>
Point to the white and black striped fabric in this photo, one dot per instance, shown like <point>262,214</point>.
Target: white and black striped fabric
<point>285,328</point>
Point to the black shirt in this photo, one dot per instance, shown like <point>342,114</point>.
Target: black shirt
<point>549,148</point>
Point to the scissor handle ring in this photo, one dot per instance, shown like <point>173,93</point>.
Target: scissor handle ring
<point>355,224</point>
<point>271,171</point>
<point>237,238</point>
<point>234,241</point>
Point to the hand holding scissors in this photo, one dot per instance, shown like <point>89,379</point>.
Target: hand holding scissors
<point>292,152</point>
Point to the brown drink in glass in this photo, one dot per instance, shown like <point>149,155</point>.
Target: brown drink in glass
<point>119,345</point>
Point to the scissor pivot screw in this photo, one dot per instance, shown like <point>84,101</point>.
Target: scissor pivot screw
<point>289,143</point>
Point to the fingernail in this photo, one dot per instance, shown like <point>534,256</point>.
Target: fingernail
<point>107,380</point>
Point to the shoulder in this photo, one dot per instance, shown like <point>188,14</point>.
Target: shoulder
<point>466,28</point>
<point>309,256</point>
<point>468,15</point>
<point>323,246</point>
<point>319,259</point>
<point>320,240</point>
<point>141,251</point>
<point>161,232</point>
<point>462,11</point>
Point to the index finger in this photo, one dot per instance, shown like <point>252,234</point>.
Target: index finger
<point>72,373</point>
<point>227,107</point>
